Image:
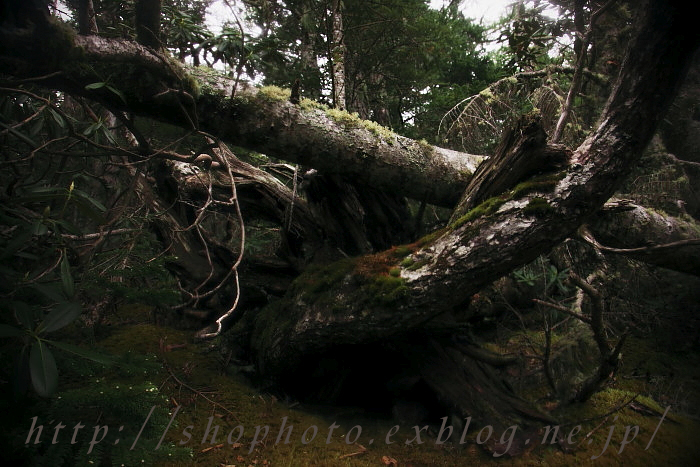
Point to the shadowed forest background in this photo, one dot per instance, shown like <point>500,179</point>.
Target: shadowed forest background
<point>369,213</point>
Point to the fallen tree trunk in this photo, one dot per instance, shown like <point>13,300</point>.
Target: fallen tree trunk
<point>646,235</point>
<point>373,298</point>
<point>333,142</point>
<point>148,84</point>
<point>623,228</point>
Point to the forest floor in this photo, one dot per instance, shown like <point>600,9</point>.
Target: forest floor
<point>161,366</point>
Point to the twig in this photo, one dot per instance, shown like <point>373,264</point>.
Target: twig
<point>587,236</point>
<point>362,450</point>
<point>198,392</point>
<point>563,309</point>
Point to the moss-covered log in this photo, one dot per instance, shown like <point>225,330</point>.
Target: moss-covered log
<point>334,142</point>
<point>373,298</point>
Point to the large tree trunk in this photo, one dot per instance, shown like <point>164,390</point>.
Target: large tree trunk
<point>332,142</point>
<point>379,297</point>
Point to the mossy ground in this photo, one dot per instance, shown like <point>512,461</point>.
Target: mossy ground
<point>177,366</point>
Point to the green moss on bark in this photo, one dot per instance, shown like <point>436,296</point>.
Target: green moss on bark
<point>486,208</point>
<point>539,184</point>
<point>538,207</point>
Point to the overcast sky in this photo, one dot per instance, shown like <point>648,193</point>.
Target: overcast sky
<point>487,11</point>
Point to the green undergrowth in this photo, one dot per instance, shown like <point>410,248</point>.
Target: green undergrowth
<point>161,367</point>
<point>675,441</point>
<point>275,93</point>
<point>308,104</point>
<point>651,378</point>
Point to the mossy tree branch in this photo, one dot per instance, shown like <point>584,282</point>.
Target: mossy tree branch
<point>456,262</point>
<point>332,141</point>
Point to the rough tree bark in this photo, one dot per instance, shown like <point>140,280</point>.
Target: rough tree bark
<point>337,54</point>
<point>264,121</point>
<point>375,298</point>
<point>87,21</point>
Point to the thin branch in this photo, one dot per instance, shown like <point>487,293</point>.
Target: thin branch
<point>234,267</point>
<point>578,74</point>
<point>586,235</point>
<point>546,361</point>
<point>97,235</point>
<point>597,307</point>
<point>563,309</point>
<point>198,392</point>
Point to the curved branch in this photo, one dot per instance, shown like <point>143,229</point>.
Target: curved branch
<point>669,242</point>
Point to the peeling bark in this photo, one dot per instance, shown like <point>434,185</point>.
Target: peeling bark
<point>524,152</point>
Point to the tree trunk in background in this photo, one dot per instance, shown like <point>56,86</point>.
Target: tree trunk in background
<point>310,73</point>
<point>87,23</point>
<point>147,14</point>
<point>337,61</point>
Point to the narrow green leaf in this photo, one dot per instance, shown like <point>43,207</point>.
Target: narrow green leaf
<point>68,226</point>
<point>93,86</point>
<point>39,228</point>
<point>57,118</point>
<point>62,315</point>
<point>90,199</point>
<point>91,129</point>
<point>36,127</point>
<point>91,355</point>
<point>107,133</point>
<point>117,92</point>
<point>47,189</point>
<point>51,291</point>
<point>66,277</point>
<point>42,367</point>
